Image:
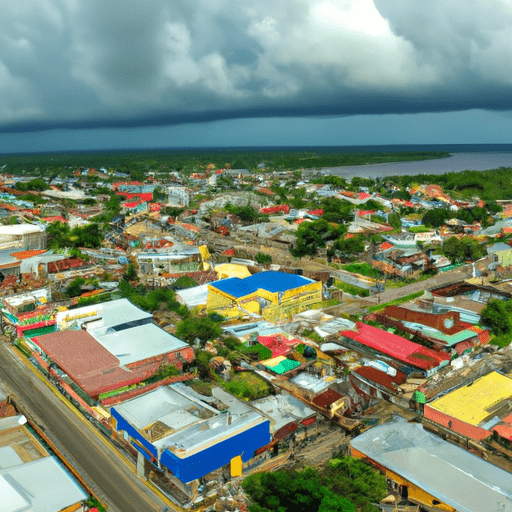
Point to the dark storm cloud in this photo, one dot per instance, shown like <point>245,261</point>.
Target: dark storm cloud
<point>75,64</point>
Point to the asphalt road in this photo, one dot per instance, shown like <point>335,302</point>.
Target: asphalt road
<point>98,464</point>
<point>440,279</point>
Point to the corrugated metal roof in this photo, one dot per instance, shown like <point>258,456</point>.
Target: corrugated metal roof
<point>328,397</point>
<point>137,343</point>
<point>396,346</point>
<point>271,281</point>
<point>471,403</point>
<point>447,472</point>
<point>283,409</point>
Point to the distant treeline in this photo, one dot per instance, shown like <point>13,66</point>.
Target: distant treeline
<point>181,160</point>
<point>488,185</point>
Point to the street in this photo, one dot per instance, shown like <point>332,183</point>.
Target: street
<point>99,465</point>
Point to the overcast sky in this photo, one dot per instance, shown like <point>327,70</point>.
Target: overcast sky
<point>131,73</point>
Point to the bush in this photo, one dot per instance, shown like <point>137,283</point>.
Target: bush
<point>262,258</point>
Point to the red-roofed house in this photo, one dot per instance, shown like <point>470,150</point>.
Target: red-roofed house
<point>407,355</point>
<point>278,344</point>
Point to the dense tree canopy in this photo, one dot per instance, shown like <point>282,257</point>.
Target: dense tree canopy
<point>293,491</point>
<point>344,485</point>
<point>497,315</point>
<point>203,329</point>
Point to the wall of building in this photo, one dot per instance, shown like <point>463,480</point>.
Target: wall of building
<point>455,424</point>
<point>415,493</point>
<point>437,321</point>
<point>199,464</point>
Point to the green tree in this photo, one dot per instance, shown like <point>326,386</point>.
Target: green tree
<point>394,220</point>
<point>203,329</point>
<point>130,273</point>
<point>497,316</point>
<point>263,258</point>
<point>355,480</point>
<point>436,217</point>
<point>452,249</point>
<point>74,289</point>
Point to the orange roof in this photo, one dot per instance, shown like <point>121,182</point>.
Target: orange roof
<point>385,246</point>
<point>23,255</point>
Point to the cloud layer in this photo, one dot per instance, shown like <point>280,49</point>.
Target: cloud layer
<point>75,64</point>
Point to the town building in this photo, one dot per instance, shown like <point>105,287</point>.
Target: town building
<point>108,347</point>
<point>22,236</point>
<point>188,435</point>
<point>31,480</point>
<point>431,472</point>
<point>272,295</point>
<point>405,355</point>
<point>478,410</point>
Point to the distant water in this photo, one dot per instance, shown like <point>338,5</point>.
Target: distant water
<point>474,157</point>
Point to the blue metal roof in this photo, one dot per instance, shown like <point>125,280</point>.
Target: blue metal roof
<point>271,281</point>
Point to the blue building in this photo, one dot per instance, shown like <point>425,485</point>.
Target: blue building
<point>188,435</point>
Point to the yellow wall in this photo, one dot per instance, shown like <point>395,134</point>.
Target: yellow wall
<point>505,257</point>
<point>418,495</point>
<point>292,301</point>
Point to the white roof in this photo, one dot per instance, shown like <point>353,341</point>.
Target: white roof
<point>9,458</point>
<point>120,311</point>
<point>12,500</point>
<point>38,486</point>
<point>195,296</point>
<point>166,405</point>
<point>20,229</point>
<point>283,409</point>
<point>446,471</point>
<point>137,343</point>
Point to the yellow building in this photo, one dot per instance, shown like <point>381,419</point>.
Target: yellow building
<point>227,270</point>
<point>274,295</point>
<point>431,472</point>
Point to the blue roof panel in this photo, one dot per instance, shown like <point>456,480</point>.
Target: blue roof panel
<point>271,281</point>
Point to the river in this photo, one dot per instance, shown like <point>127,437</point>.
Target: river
<point>457,162</point>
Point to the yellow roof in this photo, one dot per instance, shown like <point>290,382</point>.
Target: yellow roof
<point>471,403</point>
<point>227,270</point>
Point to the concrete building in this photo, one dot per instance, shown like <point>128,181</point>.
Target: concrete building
<point>272,295</point>
<point>188,435</point>
<point>431,472</point>
<point>114,345</point>
<point>177,196</point>
<point>23,236</point>
<point>478,410</point>
<point>31,480</point>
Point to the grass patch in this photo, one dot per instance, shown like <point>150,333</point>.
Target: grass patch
<point>419,229</point>
<point>201,387</point>
<point>262,351</point>
<point>401,300</point>
<point>246,386</point>
<point>353,290</point>
<point>362,268</point>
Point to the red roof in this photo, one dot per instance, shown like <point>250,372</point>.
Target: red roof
<point>87,362</point>
<point>316,212</point>
<point>131,204</point>
<point>328,397</point>
<point>379,377</point>
<point>22,255</point>
<point>364,195</point>
<point>395,346</point>
<point>279,344</point>
<point>143,196</point>
<point>229,252</point>
<point>362,213</point>
<point>385,246</point>
<point>55,218</point>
